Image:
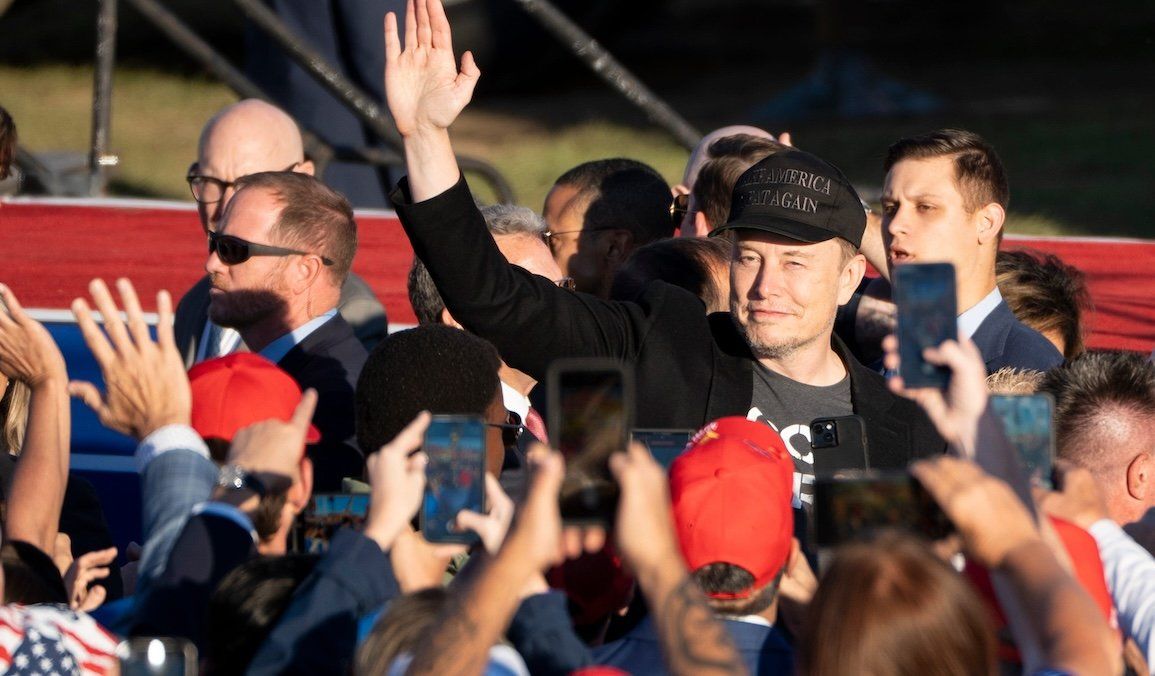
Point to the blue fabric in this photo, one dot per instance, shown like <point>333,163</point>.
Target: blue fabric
<point>318,632</point>
<point>763,649</point>
<point>542,633</point>
<point>172,484</point>
<point>1005,341</point>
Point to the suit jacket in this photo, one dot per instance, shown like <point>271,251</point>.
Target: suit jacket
<point>329,360</point>
<point>358,305</point>
<point>1005,341</point>
<point>692,368</point>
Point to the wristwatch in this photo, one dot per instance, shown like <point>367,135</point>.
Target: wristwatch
<point>237,477</point>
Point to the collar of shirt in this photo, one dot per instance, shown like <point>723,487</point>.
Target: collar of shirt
<point>276,350</point>
<point>515,401</point>
<point>969,321</point>
<point>749,619</point>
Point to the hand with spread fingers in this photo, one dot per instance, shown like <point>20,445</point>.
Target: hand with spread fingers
<point>146,386</point>
<point>83,571</point>
<point>956,411</point>
<point>27,352</point>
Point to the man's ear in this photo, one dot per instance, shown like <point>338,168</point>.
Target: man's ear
<point>990,222</point>
<point>619,245</point>
<point>306,167</point>
<point>850,277</point>
<point>1140,477</point>
<point>306,271</point>
<point>448,320</point>
<point>302,490</point>
<point>701,225</point>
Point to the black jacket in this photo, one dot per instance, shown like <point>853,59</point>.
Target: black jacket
<point>329,360</point>
<point>692,368</point>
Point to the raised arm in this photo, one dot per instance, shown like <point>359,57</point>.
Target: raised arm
<point>426,92</point>
<point>28,355</point>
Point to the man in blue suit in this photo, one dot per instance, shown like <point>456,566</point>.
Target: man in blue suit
<point>945,200</point>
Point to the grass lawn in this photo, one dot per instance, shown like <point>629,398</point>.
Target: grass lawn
<point>1078,164</point>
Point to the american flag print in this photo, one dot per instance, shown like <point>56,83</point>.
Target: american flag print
<point>49,640</point>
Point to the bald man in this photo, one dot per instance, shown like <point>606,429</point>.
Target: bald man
<point>242,139</point>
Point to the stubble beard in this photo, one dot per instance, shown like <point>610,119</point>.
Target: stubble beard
<point>780,349</point>
<point>243,308</point>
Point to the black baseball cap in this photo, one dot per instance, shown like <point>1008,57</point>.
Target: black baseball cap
<point>796,195</point>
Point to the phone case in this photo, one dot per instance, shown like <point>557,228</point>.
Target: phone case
<point>927,315</point>
<point>839,443</point>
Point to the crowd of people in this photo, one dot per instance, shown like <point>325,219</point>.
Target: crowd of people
<point>741,301</point>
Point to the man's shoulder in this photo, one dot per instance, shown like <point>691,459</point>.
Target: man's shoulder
<point>332,353</point>
<point>1004,341</point>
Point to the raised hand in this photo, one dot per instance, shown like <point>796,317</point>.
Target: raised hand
<point>645,522</point>
<point>492,526</point>
<point>83,571</point>
<point>274,448</point>
<point>397,479</point>
<point>146,386</point>
<point>423,86</point>
<point>27,352</point>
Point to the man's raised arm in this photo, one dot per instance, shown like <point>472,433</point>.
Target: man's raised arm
<point>426,93</point>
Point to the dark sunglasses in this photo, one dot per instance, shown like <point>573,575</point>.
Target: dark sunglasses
<point>511,429</point>
<point>678,208</point>
<point>234,250</point>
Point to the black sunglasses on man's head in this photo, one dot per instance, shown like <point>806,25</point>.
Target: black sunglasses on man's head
<point>234,250</point>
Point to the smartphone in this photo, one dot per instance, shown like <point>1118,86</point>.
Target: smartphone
<point>591,404</point>
<point>325,514</point>
<point>854,504</point>
<point>157,656</point>
<point>664,445</point>
<point>454,477</point>
<point>1027,420</point>
<point>838,443</point>
<point>924,294</point>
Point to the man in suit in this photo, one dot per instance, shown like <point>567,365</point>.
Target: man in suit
<point>245,138</point>
<point>945,200</point>
<point>796,224</point>
<point>276,268</point>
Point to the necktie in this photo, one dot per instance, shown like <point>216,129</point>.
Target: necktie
<point>536,426</point>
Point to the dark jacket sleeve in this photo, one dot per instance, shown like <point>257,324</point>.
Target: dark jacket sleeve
<point>542,633</point>
<point>529,318</point>
<point>318,632</point>
<point>82,518</point>
<point>208,549</point>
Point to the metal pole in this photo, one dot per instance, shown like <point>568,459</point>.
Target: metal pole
<point>99,158</point>
<point>609,69</point>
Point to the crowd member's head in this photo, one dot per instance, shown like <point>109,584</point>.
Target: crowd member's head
<point>796,224</point>
<point>727,159</point>
<point>518,234</point>
<point>892,607</point>
<point>233,392</point>
<point>1047,295</point>
<point>406,622</point>
<point>29,575</point>
<point>247,604</point>
<point>430,368</point>
<point>7,143</point>
<point>1010,380</point>
<point>732,494</point>
<point>281,254</point>
<point>245,138</point>
<point>1105,423</point>
<point>944,201</point>
<point>698,265</point>
<point>599,212</point>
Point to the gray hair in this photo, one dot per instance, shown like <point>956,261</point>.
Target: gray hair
<point>510,219</point>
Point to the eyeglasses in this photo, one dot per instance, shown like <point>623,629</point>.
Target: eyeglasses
<point>679,208</point>
<point>511,429</point>
<point>210,190</point>
<point>566,283</point>
<point>548,235</point>
<point>234,250</point>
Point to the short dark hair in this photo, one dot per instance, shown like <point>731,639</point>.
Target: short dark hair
<point>247,604</point>
<point>727,578</point>
<point>433,368</point>
<point>623,193</point>
<point>729,157</point>
<point>500,219</point>
<point>686,262</point>
<point>1099,396</point>
<point>313,216</point>
<point>30,575</point>
<point>1046,294</point>
<point>7,143</point>
<point>978,170</point>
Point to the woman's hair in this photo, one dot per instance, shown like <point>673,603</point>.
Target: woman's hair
<point>14,415</point>
<point>891,607</point>
<point>406,622</point>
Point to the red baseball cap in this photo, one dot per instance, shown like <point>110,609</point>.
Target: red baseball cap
<point>732,491</point>
<point>237,390</point>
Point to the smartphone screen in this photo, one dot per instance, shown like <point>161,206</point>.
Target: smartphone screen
<point>927,316</point>
<point>591,402</point>
<point>853,505</point>
<point>664,445</point>
<point>454,477</point>
<point>838,443</point>
<point>325,514</point>
<point>1027,422</point>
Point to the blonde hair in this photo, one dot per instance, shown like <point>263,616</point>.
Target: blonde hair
<point>14,413</point>
<point>1010,380</point>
